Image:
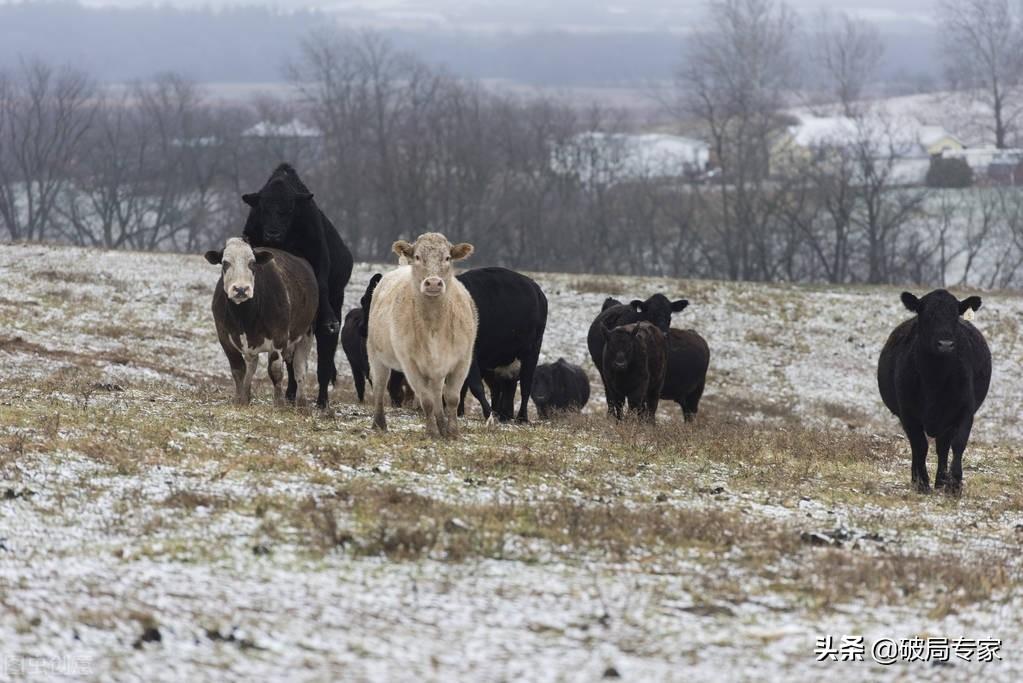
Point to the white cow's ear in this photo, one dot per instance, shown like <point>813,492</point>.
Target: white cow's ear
<point>461,251</point>
<point>214,256</point>
<point>402,249</point>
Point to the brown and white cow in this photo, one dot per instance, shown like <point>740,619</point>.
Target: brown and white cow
<point>265,302</point>
<point>423,322</point>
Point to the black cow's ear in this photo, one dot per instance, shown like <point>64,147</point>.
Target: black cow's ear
<point>264,257</point>
<point>640,306</point>
<point>252,198</point>
<point>214,256</point>
<point>679,305</point>
<point>910,302</point>
<point>304,196</point>
<point>968,303</point>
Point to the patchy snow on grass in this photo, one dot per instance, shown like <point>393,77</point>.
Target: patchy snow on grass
<point>149,530</point>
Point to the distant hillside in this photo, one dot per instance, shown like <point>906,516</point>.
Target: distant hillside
<point>252,44</point>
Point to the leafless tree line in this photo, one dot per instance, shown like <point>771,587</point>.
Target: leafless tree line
<point>404,147</point>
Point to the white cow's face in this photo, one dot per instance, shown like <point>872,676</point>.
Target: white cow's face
<point>239,263</point>
<point>431,257</point>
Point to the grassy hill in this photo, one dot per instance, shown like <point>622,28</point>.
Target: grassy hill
<point>150,529</point>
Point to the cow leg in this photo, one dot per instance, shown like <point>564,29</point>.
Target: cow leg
<point>299,368</point>
<point>526,370</point>
<point>326,371</point>
<point>360,383</point>
<point>379,389</point>
<point>918,443</point>
<point>292,382</point>
<point>475,381</point>
<point>396,388</point>
<point>245,390</point>
<point>942,444</point>
<point>615,403</point>
<point>962,436</point>
<point>329,308</point>
<point>431,399</point>
<point>237,363</point>
<point>275,369</point>
<point>461,398</point>
<point>691,405</point>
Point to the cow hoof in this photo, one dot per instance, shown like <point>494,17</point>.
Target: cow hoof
<point>491,422</point>
<point>922,486</point>
<point>954,488</point>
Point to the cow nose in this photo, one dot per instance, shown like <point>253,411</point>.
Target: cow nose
<point>433,286</point>
<point>240,291</point>
<point>946,345</point>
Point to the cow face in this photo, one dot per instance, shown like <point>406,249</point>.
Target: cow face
<point>430,258</point>
<point>657,310</point>
<point>276,206</point>
<point>543,383</point>
<point>239,263</point>
<point>938,318</point>
<point>620,347</point>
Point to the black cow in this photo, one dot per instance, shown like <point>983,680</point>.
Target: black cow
<point>656,310</point>
<point>688,359</point>
<point>933,374</point>
<point>512,319</point>
<point>353,341</point>
<point>283,215</point>
<point>354,346</point>
<point>560,386</point>
<point>635,362</point>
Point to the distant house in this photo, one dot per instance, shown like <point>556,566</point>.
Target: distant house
<point>909,144</point>
<point>621,157</point>
<point>996,166</point>
<point>291,129</point>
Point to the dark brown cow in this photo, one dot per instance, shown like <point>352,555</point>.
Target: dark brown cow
<point>265,302</point>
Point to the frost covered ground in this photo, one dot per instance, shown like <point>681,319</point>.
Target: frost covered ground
<point>149,530</point>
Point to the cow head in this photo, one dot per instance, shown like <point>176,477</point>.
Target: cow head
<point>621,346</point>
<point>430,258</point>
<point>657,310</point>
<point>276,207</point>
<point>239,263</point>
<point>543,382</point>
<point>938,318</point>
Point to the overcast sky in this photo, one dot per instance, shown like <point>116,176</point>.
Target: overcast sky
<point>581,15</point>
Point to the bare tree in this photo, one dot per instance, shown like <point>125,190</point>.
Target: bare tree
<point>983,46</point>
<point>848,53</point>
<point>44,114</point>
<point>734,76</point>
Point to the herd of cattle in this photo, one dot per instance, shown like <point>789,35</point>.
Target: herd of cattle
<point>435,335</point>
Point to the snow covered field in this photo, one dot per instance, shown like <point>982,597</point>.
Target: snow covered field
<point>149,530</point>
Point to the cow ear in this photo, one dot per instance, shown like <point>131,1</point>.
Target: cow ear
<point>461,251</point>
<point>214,256</point>
<point>402,248</point>
<point>972,302</point>
<point>679,305</point>
<point>910,302</point>
<point>640,306</point>
<point>264,257</point>
<point>252,198</point>
<point>304,196</point>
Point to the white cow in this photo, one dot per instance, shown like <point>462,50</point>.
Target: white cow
<point>423,322</point>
